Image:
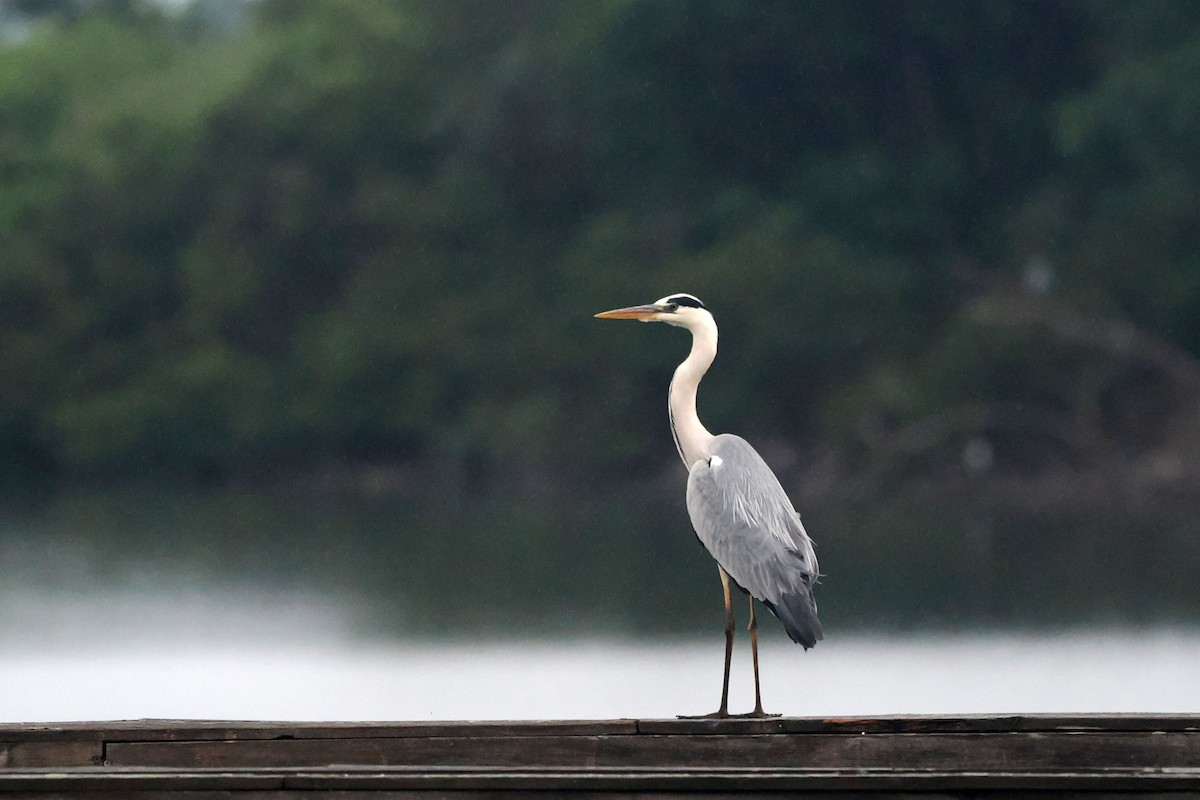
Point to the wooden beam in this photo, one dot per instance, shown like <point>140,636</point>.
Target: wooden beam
<point>1124,755</point>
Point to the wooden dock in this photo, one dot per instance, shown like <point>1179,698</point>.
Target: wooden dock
<point>934,757</point>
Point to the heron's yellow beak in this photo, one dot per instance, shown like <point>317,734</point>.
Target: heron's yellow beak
<point>644,313</point>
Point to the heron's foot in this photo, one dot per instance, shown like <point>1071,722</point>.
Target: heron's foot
<point>756,714</point>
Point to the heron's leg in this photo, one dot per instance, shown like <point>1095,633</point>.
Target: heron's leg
<point>723,711</point>
<point>729,625</point>
<point>758,709</point>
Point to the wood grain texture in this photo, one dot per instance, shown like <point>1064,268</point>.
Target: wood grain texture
<point>53,753</point>
<point>617,780</point>
<point>1091,756</point>
<point>952,751</point>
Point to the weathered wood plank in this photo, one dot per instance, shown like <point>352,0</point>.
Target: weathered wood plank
<point>730,780</point>
<point>79,752</point>
<point>930,724</point>
<point>977,751</point>
<point>161,729</point>
<point>616,780</point>
<point>191,730</point>
<point>1093,756</point>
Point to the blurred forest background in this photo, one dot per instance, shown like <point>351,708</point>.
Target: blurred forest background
<point>300,292</point>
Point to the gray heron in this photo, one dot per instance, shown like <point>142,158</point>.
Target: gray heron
<point>740,512</point>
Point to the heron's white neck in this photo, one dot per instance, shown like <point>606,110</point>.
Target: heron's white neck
<point>692,439</point>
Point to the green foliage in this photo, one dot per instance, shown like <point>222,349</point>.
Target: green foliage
<point>1132,246</point>
<point>951,247</point>
<point>376,232</point>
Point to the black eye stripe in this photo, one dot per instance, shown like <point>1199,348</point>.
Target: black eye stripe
<point>686,300</point>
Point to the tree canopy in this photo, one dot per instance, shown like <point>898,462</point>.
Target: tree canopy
<point>942,238</point>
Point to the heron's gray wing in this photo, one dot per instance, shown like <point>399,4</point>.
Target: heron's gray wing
<point>744,519</point>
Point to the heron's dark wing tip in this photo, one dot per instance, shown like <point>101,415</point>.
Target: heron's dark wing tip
<point>798,613</point>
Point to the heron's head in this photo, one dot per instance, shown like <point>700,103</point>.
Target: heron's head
<point>682,310</point>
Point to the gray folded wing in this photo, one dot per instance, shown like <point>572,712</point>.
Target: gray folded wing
<point>746,521</point>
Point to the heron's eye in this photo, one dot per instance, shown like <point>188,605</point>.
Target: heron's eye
<point>671,307</point>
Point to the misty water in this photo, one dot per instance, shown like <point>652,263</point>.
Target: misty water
<point>263,655</point>
<point>248,607</point>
